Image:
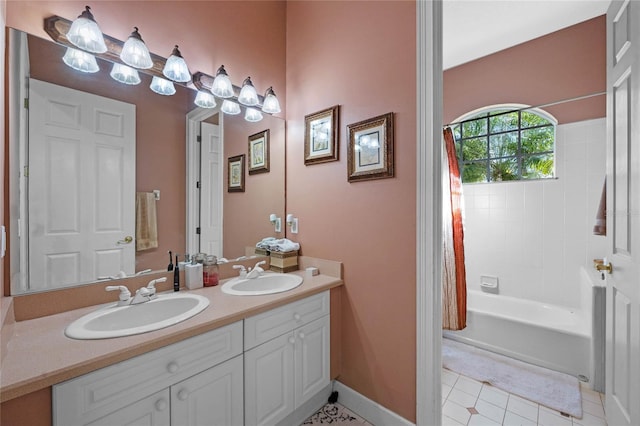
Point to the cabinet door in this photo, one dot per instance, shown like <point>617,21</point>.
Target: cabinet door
<point>311,359</point>
<point>213,397</point>
<point>268,381</point>
<point>151,411</point>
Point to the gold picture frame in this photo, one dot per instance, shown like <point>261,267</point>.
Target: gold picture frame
<point>370,150</point>
<point>259,152</point>
<point>321,131</point>
<point>235,173</point>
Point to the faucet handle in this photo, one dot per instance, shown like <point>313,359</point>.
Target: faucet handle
<point>243,270</point>
<point>125,294</point>
<point>257,265</point>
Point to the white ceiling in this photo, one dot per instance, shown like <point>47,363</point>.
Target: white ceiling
<point>476,28</point>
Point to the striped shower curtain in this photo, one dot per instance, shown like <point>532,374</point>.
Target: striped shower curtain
<point>454,286</point>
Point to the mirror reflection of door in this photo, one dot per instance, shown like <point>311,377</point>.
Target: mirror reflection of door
<point>211,169</point>
<point>80,145</point>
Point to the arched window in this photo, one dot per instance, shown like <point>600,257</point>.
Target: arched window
<point>503,143</point>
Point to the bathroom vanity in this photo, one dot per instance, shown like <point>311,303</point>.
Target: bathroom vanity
<point>243,360</point>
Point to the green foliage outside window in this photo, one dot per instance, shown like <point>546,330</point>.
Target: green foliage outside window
<point>505,145</point>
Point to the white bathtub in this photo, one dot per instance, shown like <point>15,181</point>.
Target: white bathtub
<point>550,336</point>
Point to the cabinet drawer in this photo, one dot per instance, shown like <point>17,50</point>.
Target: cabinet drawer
<point>267,325</point>
<point>96,394</point>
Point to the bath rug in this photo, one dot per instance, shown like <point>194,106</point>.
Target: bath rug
<point>552,389</point>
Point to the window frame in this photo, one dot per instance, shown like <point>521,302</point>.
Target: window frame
<point>489,112</point>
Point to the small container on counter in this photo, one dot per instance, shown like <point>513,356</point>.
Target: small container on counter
<point>210,275</point>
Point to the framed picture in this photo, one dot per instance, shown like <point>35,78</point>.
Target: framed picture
<point>235,178</point>
<point>259,152</point>
<point>370,151</point>
<point>321,136</point>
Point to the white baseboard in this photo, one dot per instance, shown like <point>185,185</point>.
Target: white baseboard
<point>371,411</point>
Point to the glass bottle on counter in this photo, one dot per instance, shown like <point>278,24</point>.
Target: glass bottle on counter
<point>210,276</point>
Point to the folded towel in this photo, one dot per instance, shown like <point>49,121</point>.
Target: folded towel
<point>284,245</point>
<point>146,221</point>
<point>265,243</point>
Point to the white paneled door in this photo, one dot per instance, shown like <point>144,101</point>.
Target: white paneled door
<point>211,188</point>
<point>623,213</point>
<point>81,186</point>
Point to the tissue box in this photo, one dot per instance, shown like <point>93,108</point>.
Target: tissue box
<point>284,262</point>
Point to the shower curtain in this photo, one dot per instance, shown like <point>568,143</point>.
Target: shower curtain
<point>454,286</point>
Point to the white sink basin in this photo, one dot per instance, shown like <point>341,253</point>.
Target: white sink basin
<point>118,321</point>
<point>268,283</point>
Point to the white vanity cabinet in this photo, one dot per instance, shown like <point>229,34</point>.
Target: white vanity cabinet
<point>286,358</point>
<point>184,376</point>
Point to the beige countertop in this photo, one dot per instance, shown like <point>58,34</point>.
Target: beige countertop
<point>39,355</point>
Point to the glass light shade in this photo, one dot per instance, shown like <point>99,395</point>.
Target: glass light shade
<point>135,53</point>
<point>125,74</point>
<point>252,115</point>
<point>162,86</point>
<point>85,33</point>
<point>81,61</point>
<point>230,107</point>
<point>222,86</point>
<point>176,68</point>
<point>205,100</point>
<point>248,95</point>
<point>271,104</point>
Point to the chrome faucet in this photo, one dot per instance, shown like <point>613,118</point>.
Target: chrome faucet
<point>256,271</point>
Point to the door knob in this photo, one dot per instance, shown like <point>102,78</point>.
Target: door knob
<point>127,240</point>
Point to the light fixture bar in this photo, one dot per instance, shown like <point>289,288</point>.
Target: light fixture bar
<point>57,28</point>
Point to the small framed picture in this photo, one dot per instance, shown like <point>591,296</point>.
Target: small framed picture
<point>235,182</point>
<point>321,136</point>
<point>259,152</point>
<point>370,151</point>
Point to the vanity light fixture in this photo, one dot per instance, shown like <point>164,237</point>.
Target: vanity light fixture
<point>222,86</point>
<point>230,107</point>
<point>80,61</point>
<point>248,94</point>
<point>205,100</point>
<point>135,53</point>
<point>162,86</point>
<point>252,115</point>
<point>293,223</point>
<point>86,34</point>
<point>124,74</point>
<point>271,104</point>
<point>276,221</point>
<point>176,68</point>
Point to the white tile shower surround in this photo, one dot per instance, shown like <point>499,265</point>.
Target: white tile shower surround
<point>468,402</point>
<point>541,231</point>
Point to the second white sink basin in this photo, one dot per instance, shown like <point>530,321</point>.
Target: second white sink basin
<point>118,321</point>
<point>268,283</point>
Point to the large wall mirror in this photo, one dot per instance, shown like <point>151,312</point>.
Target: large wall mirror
<point>50,208</point>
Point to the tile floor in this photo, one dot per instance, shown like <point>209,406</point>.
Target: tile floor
<point>468,402</point>
<point>471,403</point>
<point>336,414</point>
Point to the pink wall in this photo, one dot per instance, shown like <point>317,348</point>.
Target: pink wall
<point>209,35</point>
<point>561,65</point>
<point>361,55</point>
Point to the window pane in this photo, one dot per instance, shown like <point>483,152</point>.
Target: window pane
<point>474,149</point>
<point>474,172</point>
<point>503,145</point>
<point>506,169</point>
<point>503,122</point>
<point>537,166</point>
<point>530,119</point>
<point>457,145</point>
<point>537,140</point>
<point>474,128</point>
<point>456,132</point>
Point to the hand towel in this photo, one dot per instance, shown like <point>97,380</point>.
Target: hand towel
<point>146,221</point>
<point>284,245</point>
